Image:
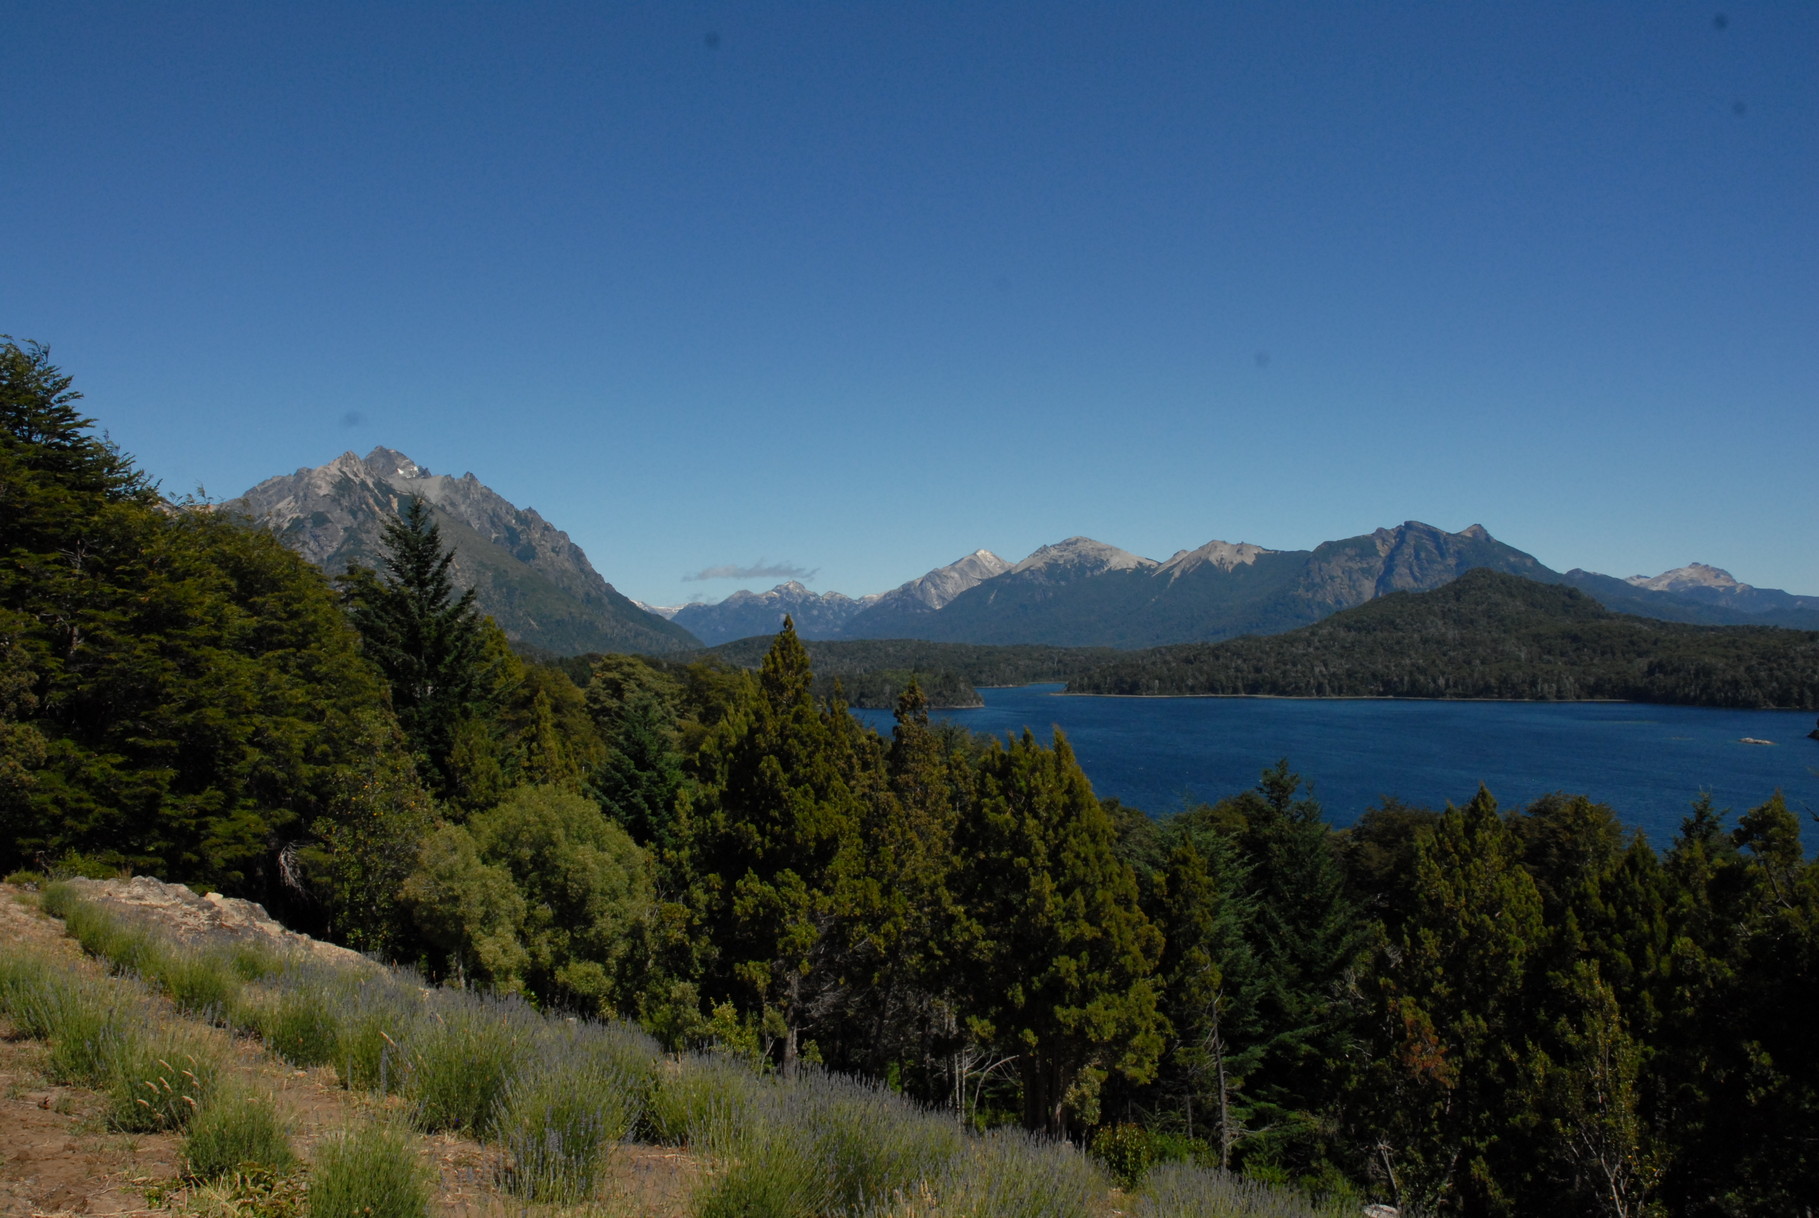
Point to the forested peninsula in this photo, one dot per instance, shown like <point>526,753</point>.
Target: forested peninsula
<point>1487,635</point>
<point>1473,1010</point>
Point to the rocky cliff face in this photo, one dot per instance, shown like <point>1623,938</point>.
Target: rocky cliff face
<point>525,572</point>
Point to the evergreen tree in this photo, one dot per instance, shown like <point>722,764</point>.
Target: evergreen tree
<point>1309,938</point>
<point>427,641</point>
<point>1062,958</point>
<point>771,814</point>
<point>1453,1086</point>
<point>1212,987</point>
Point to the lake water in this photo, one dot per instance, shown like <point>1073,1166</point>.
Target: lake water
<point>1647,762</point>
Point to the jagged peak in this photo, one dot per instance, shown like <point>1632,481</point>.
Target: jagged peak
<point>389,463</point>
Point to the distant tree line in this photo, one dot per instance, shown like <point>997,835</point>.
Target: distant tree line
<point>1473,1011</point>
<point>1487,635</point>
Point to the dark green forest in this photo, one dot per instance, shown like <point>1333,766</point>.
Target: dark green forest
<point>1487,635</point>
<point>1471,1010</point>
<point>873,673</point>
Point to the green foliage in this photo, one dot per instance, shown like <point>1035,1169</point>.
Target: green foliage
<point>458,1063</point>
<point>1188,1191</point>
<point>542,893</point>
<point>1011,1174</point>
<point>1487,635</point>
<point>700,1099</point>
<point>873,673</point>
<point>580,1093</point>
<point>236,1130</point>
<point>774,811</point>
<point>368,840</point>
<point>175,689</point>
<point>370,1171</point>
<point>1062,956</point>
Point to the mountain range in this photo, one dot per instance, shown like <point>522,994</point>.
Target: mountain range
<point>1078,592</point>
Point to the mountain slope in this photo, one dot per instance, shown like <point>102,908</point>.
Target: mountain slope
<point>1488,635</point>
<point>900,612</point>
<point>525,572</point>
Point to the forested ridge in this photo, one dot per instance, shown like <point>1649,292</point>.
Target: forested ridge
<point>1473,1010</point>
<point>1488,635</point>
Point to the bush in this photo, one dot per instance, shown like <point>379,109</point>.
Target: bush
<point>127,949</point>
<point>699,1099</point>
<point>236,1131</point>
<point>28,879</point>
<point>158,1081</point>
<point>826,1144</point>
<point>459,1060</point>
<point>1127,1151</point>
<point>564,1110</point>
<point>1180,1190</point>
<point>301,1025</point>
<point>368,1172</point>
<point>1011,1174</point>
<point>201,983</point>
<point>33,993</point>
<point>380,1016</point>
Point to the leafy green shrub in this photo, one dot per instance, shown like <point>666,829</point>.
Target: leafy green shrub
<point>236,1130</point>
<point>1127,1151</point>
<point>28,879</point>
<point>459,1060</point>
<point>368,1172</point>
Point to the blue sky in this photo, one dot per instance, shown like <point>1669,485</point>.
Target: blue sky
<point>857,288</point>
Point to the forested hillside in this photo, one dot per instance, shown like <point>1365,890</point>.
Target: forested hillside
<point>1474,1011</point>
<point>1488,635</point>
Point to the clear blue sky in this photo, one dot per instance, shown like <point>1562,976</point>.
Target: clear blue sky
<point>856,288</point>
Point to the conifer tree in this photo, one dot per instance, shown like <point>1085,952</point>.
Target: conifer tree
<point>426,640</point>
<point>1454,1014</point>
<point>772,813</point>
<point>1062,957</point>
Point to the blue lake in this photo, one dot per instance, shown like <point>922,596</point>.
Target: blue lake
<point>1647,762</point>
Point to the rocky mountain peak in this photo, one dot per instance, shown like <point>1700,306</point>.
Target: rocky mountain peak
<point>390,464</point>
<point>533,580</point>
<point>1081,556</point>
<point>1694,575</point>
<point>1223,555</point>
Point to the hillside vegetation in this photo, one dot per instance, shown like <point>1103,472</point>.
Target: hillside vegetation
<point>1476,1010</point>
<point>1488,635</point>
